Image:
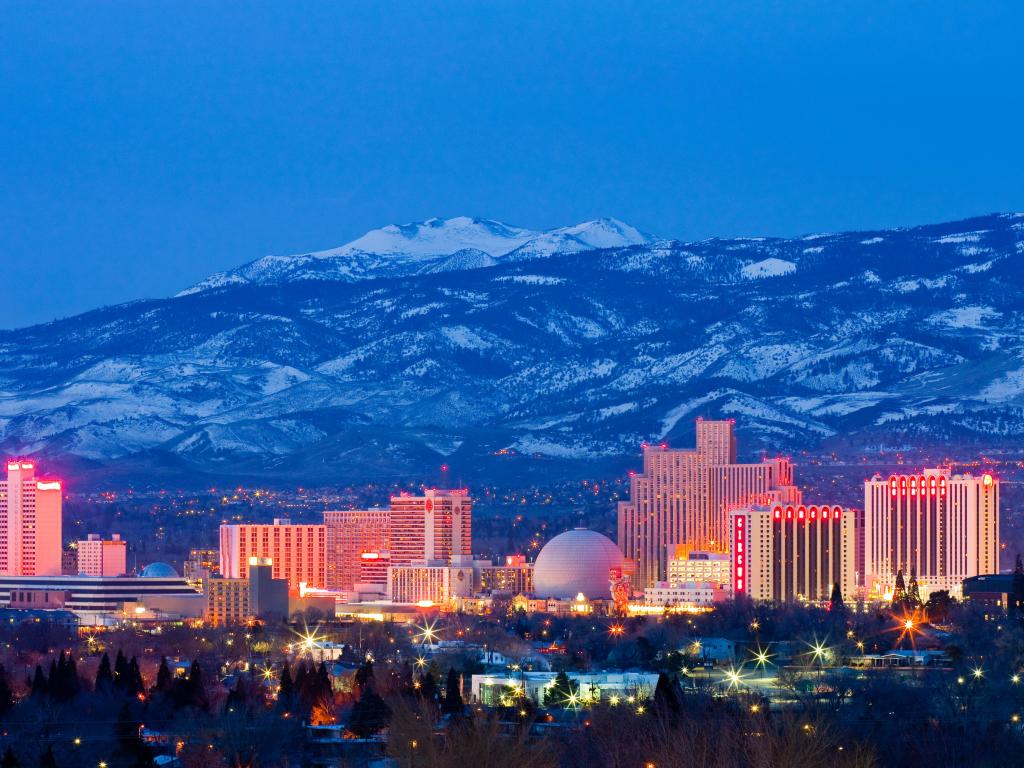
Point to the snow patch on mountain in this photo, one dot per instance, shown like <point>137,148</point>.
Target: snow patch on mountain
<point>771,267</point>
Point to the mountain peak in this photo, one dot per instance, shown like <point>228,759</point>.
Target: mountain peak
<point>427,246</point>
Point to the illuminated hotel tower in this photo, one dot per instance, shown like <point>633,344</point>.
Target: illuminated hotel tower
<point>790,552</point>
<point>683,497</point>
<point>298,552</point>
<point>943,527</point>
<point>350,534</point>
<point>30,522</point>
<point>433,527</point>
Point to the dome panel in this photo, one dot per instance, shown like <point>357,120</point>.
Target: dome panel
<point>573,562</point>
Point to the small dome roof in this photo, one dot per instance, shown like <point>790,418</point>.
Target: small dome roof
<point>576,561</point>
<point>158,571</point>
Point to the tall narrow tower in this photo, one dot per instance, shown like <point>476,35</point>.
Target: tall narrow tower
<point>30,522</point>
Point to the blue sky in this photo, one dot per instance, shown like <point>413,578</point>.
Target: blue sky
<point>146,145</point>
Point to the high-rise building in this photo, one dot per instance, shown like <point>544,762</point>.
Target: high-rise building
<point>350,533</point>
<point>792,552</point>
<point>30,522</point>
<point>433,527</point>
<point>941,527</point>
<point>97,557</point>
<point>684,496</point>
<point>298,551</point>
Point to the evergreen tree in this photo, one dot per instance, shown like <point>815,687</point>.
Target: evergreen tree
<point>428,687</point>
<point>164,681</point>
<point>286,689</point>
<point>120,671</point>
<point>104,676</point>
<point>6,694</point>
<point>195,688</point>
<point>667,695</point>
<point>899,594</point>
<point>10,760</point>
<point>363,675</point>
<point>836,603</point>
<point>48,760</point>
<point>134,685</point>
<point>562,691</point>
<point>452,704</point>
<point>325,689</point>
<point>369,715</point>
<point>39,686</point>
<point>913,591</point>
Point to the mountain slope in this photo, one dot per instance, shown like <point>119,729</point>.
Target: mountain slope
<point>867,341</point>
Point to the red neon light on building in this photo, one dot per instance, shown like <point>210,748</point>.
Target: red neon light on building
<point>893,486</point>
<point>49,485</point>
<point>778,513</point>
<point>836,511</point>
<point>903,485</point>
<point>739,538</point>
<point>987,479</point>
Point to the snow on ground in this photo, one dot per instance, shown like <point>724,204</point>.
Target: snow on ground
<point>770,267</point>
<point>975,317</point>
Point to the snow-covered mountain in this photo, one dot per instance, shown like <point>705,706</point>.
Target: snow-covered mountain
<point>492,342</point>
<point>430,246</point>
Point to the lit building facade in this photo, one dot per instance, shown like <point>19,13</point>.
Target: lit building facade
<point>700,567</point>
<point>684,496</point>
<point>200,563</point>
<point>942,527</point>
<point>97,557</point>
<point>30,522</point>
<point>434,526</point>
<point>514,576</point>
<point>434,583</point>
<point>350,533</point>
<point>298,551</point>
<point>697,594</point>
<point>789,552</point>
<point>227,600</point>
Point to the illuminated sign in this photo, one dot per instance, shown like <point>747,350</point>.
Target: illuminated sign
<point>51,485</point>
<point>739,555</point>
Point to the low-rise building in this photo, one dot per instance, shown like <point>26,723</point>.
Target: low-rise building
<point>699,567</point>
<point>609,687</point>
<point>685,594</point>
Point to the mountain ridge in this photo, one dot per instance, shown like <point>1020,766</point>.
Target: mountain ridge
<point>874,340</point>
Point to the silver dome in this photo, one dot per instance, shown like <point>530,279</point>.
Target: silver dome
<point>573,562</point>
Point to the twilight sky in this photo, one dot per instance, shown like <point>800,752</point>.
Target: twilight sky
<point>146,145</point>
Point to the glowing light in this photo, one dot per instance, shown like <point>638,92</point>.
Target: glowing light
<point>421,662</point>
<point>986,479</point>
<point>761,657</point>
<point>1015,679</point>
<point>424,603</point>
<point>978,673</point>
<point>613,700</point>
<point>428,633</point>
<point>640,710</point>
<point>735,677</point>
<point>48,485</point>
<point>616,630</point>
